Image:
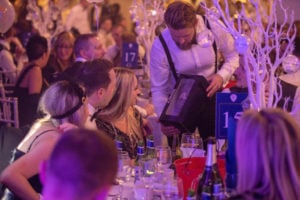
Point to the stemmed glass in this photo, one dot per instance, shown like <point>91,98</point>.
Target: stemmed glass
<point>191,141</point>
<point>164,158</point>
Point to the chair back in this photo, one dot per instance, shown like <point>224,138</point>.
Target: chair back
<point>9,114</point>
<point>7,82</point>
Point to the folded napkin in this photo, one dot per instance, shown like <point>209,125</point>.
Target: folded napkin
<point>186,152</point>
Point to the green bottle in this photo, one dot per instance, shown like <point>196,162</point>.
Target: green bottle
<point>150,160</point>
<point>140,159</point>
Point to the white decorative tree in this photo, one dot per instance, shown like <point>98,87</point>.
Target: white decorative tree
<point>147,16</point>
<point>257,47</point>
<point>47,20</point>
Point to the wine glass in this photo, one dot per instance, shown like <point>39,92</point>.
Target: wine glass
<point>191,141</point>
<point>164,157</point>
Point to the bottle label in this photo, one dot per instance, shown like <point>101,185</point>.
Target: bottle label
<point>119,145</point>
<point>206,195</point>
<point>150,144</point>
<point>140,151</point>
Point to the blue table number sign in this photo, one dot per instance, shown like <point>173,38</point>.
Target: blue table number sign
<point>129,55</point>
<point>228,106</point>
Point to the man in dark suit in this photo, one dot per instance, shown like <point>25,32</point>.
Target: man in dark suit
<point>87,47</point>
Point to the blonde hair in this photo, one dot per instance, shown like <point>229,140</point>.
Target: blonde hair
<point>60,98</point>
<point>121,105</point>
<point>267,149</point>
<point>64,37</point>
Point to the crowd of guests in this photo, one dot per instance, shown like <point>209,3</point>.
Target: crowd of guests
<point>67,85</point>
<point>84,97</point>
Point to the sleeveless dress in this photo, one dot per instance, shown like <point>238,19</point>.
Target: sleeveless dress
<point>34,180</point>
<point>27,103</point>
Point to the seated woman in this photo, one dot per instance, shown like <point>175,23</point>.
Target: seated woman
<point>30,83</point>
<point>61,56</point>
<point>65,108</point>
<point>267,149</point>
<point>120,119</point>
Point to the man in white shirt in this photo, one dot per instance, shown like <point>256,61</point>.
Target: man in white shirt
<point>7,61</point>
<point>191,54</point>
<point>78,18</point>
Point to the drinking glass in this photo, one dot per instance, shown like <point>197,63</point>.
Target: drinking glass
<point>191,141</point>
<point>173,189</point>
<point>164,157</point>
<point>124,170</point>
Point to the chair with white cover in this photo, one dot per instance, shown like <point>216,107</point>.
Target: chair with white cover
<point>7,82</point>
<point>9,114</point>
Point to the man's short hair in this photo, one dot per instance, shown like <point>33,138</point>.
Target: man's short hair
<point>94,75</point>
<point>180,15</point>
<point>82,42</point>
<point>83,160</point>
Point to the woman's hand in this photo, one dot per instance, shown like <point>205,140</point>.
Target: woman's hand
<point>66,126</point>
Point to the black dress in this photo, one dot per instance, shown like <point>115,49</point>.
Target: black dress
<point>27,103</point>
<point>34,180</point>
<point>52,72</point>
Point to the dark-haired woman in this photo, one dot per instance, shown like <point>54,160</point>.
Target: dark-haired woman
<point>30,83</point>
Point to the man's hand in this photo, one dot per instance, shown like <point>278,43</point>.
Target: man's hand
<point>216,82</point>
<point>169,130</point>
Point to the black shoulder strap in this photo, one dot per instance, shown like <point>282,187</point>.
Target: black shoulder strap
<point>206,22</point>
<point>23,74</point>
<point>2,47</point>
<point>172,66</point>
<point>42,133</point>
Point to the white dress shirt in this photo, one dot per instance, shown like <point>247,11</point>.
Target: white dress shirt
<point>7,62</point>
<point>197,60</point>
<point>90,124</point>
<point>79,19</point>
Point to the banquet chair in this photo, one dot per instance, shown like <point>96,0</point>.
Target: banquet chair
<point>9,114</point>
<point>7,82</point>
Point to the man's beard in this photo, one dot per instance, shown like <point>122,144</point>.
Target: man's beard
<point>188,45</point>
<point>185,46</point>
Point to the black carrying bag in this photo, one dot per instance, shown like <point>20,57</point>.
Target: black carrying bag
<point>187,103</point>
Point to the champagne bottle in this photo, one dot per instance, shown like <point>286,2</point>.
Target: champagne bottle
<point>210,185</point>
